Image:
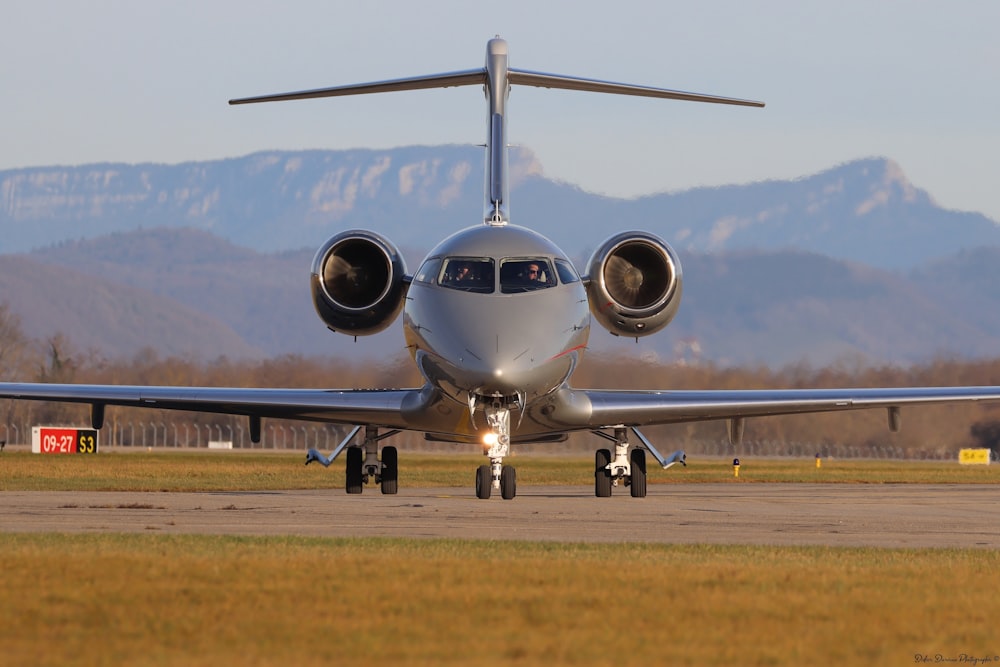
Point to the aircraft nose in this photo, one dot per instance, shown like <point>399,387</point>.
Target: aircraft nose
<point>516,363</point>
<point>503,374</point>
<point>500,345</point>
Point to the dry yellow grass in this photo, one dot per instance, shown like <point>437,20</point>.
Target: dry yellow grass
<point>195,600</point>
<point>184,600</point>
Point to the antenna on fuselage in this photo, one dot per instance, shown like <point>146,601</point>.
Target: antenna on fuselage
<point>496,78</point>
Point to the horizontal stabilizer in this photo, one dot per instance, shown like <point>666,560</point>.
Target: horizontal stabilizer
<point>543,80</point>
<point>446,80</point>
<point>514,76</point>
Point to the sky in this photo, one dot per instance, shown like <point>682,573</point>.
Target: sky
<point>912,80</point>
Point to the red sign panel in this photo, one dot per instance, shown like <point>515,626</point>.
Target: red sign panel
<point>54,440</point>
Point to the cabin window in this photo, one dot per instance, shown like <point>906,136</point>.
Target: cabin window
<point>567,274</point>
<point>471,274</point>
<point>525,274</point>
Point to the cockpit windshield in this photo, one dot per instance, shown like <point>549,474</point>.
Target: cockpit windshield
<point>472,274</point>
<point>525,275</point>
<point>477,274</point>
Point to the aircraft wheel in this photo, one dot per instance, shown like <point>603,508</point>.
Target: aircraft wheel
<point>355,475</point>
<point>602,475</point>
<point>508,482</point>
<point>484,482</point>
<point>390,471</point>
<point>637,460</point>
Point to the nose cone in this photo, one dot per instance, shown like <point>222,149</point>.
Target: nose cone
<point>500,349</point>
<point>508,344</point>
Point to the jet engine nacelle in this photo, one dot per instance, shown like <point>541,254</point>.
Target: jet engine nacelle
<point>634,284</point>
<point>358,282</point>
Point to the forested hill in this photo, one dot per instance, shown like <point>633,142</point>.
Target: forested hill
<point>188,292</point>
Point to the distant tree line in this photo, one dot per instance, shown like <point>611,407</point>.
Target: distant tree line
<point>929,428</point>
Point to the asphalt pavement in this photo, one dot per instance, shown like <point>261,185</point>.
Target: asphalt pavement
<point>915,515</point>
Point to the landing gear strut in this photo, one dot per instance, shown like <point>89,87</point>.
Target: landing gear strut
<point>363,463</point>
<point>496,475</point>
<point>627,466</point>
<point>384,473</point>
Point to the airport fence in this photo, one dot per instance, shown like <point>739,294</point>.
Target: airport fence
<point>280,436</point>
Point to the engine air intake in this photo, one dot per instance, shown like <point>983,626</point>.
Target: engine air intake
<point>634,284</point>
<point>358,283</point>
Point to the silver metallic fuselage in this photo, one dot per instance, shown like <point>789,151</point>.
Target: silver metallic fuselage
<point>511,347</point>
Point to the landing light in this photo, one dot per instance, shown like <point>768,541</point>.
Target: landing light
<point>490,439</point>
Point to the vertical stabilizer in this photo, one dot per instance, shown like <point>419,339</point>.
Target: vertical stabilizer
<point>497,78</point>
<point>497,163</point>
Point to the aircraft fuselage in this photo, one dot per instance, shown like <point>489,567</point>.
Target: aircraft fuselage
<point>496,313</point>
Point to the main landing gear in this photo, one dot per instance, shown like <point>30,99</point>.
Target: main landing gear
<point>363,463</point>
<point>628,467</point>
<point>496,475</point>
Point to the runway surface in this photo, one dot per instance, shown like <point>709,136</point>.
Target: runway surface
<point>773,514</point>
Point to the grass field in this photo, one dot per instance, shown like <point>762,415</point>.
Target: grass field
<point>240,470</point>
<point>145,599</point>
<point>178,600</point>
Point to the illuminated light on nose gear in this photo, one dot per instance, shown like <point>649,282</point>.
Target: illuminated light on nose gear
<point>490,439</point>
<point>498,372</point>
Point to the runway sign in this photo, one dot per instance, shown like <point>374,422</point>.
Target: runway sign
<point>61,440</point>
<point>974,457</point>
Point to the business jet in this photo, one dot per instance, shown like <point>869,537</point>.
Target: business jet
<point>496,319</point>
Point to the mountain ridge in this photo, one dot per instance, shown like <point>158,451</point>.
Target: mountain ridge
<point>852,262</point>
<point>865,210</point>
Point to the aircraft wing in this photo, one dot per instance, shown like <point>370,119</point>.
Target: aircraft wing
<point>576,409</point>
<point>639,408</point>
<point>383,407</point>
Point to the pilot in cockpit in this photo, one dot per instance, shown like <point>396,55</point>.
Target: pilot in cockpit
<point>533,274</point>
<point>463,274</point>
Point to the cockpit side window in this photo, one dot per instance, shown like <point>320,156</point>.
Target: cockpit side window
<point>471,274</point>
<point>525,274</point>
<point>428,270</point>
<point>567,274</point>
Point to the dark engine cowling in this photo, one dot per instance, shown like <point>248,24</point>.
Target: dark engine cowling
<point>358,282</point>
<point>634,284</point>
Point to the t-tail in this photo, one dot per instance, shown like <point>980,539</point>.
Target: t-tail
<point>496,78</point>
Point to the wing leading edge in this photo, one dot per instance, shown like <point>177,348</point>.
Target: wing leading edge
<point>384,407</point>
<point>576,409</point>
<point>643,408</point>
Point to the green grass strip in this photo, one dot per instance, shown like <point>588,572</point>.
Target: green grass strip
<point>251,471</point>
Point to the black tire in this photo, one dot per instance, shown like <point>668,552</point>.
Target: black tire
<point>354,475</point>
<point>602,474</point>
<point>484,482</point>
<point>637,460</point>
<point>508,482</point>
<point>390,471</point>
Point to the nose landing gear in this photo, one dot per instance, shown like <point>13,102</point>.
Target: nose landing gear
<point>496,475</point>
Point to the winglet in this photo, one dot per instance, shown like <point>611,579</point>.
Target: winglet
<point>315,455</point>
<point>677,457</point>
